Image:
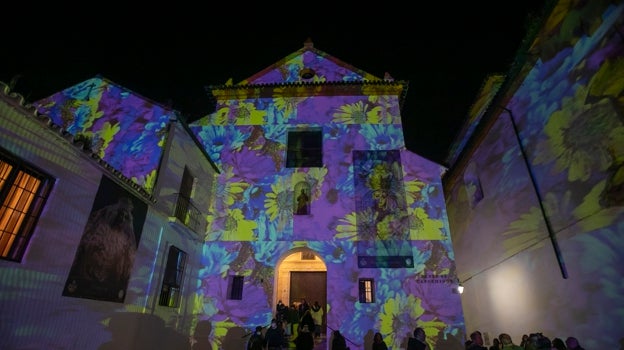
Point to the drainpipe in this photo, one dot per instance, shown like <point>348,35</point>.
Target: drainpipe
<point>551,233</point>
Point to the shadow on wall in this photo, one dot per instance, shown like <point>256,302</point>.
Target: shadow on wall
<point>134,331</point>
<point>368,339</point>
<point>202,336</point>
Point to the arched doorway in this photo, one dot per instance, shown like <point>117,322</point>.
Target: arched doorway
<point>302,274</point>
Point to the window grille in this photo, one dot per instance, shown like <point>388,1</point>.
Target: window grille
<point>23,193</point>
<point>367,290</point>
<point>236,288</point>
<point>174,276</point>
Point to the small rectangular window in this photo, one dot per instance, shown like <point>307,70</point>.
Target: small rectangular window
<point>235,288</point>
<point>174,276</point>
<point>305,149</point>
<point>23,193</point>
<point>367,290</point>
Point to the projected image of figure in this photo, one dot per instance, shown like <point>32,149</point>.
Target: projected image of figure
<point>303,201</point>
<point>106,252</point>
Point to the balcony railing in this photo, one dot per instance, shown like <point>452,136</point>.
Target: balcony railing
<point>188,214</point>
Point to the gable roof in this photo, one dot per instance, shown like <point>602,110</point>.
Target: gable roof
<point>311,72</point>
<point>324,67</point>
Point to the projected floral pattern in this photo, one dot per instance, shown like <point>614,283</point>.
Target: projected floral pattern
<point>568,112</point>
<point>568,109</point>
<point>247,139</point>
<point>121,127</point>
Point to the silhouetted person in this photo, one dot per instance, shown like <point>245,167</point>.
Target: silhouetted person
<point>339,342</point>
<point>379,343</point>
<point>274,337</point>
<point>418,341</point>
<point>304,340</point>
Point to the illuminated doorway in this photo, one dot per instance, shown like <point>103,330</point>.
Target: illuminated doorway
<point>296,272</point>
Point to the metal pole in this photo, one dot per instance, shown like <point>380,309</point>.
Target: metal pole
<point>551,234</point>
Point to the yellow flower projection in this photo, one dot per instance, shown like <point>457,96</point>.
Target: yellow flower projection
<point>278,203</point>
<point>581,137</point>
<point>590,213</point>
<point>413,191</point>
<point>424,227</point>
<point>220,117</point>
<point>357,113</point>
<point>401,310</point>
<point>246,113</point>
<point>106,135</point>
<point>230,191</point>
<point>347,230</point>
<point>287,105</point>
<point>528,230</point>
<point>237,228</point>
<point>148,181</point>
<point>385,103</point>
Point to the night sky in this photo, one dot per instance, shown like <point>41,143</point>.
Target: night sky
<point>170,52</point>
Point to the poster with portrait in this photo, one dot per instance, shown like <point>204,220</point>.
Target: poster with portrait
<point>105,255</point>
<point>381,210</point>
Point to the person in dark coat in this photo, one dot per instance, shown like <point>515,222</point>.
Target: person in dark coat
<point>304,340</point>
<point>306,320</point>
<point>256,341</point>
<point>379,343</point>
<point>274,337</point>
<point>338,342</point>
<point>418,342</point>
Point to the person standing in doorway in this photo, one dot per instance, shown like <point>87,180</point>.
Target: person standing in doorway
<point>317,314</point>
<point>304,340</point>
<point>293,319</point>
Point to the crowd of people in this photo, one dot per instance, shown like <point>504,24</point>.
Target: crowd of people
<point>301,325</point>
<point>533,341</point>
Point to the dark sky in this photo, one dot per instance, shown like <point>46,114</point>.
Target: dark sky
<point>170,53</point>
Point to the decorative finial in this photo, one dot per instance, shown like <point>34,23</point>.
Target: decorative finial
<point>388,77</point>
<point>308,44</point>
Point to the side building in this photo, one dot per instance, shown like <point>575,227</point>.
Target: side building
<point>535,187</point>
<point>101,224</point>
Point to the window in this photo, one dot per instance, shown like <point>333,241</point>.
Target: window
<point>174,273</point>
<point>367,290</point>
<point>235,288</point>
<point>305,149</point>
<point>23,193</point>
<point>308,256</point>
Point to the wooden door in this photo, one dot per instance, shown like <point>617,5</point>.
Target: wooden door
<point>311,286</point>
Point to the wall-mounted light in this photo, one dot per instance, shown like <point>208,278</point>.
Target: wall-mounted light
<point>458,288</point>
